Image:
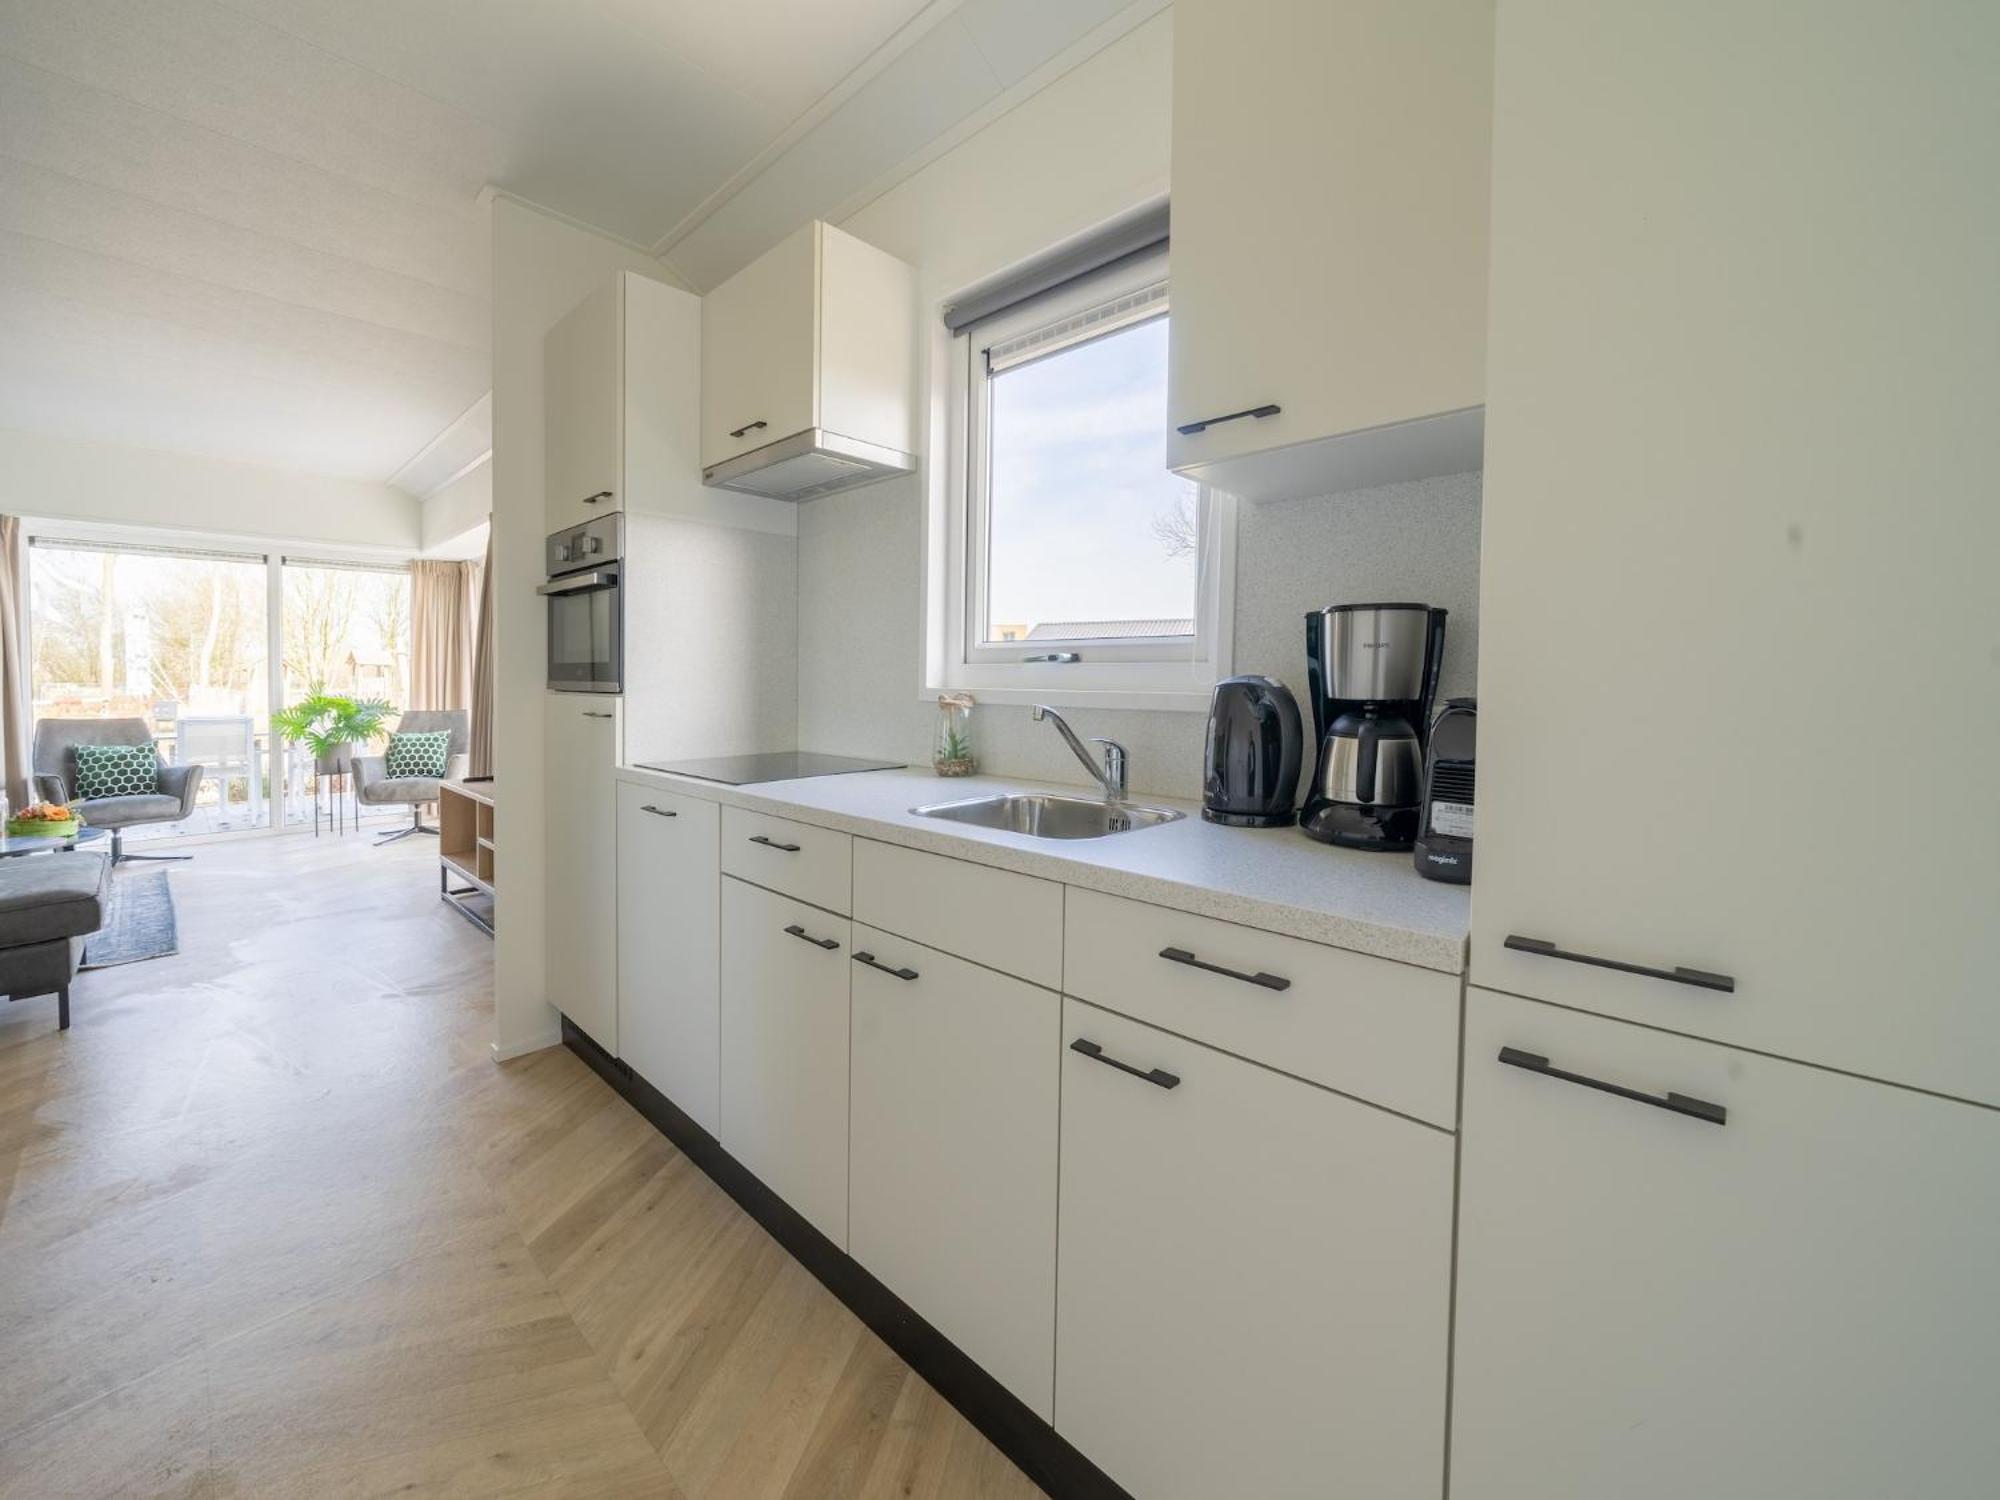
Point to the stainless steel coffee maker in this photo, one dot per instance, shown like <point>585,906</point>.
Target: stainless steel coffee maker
<point>1372,670</point>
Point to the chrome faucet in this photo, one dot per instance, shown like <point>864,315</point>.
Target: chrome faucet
<point>1111,775</point>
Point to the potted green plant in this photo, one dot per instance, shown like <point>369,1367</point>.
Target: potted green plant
<point>330,725</point>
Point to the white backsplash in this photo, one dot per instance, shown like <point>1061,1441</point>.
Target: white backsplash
<point>859,625</point>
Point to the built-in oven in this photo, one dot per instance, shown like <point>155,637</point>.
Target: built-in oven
<point>586,609</point>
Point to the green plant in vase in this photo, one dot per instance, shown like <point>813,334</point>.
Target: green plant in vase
<point>329,723</point>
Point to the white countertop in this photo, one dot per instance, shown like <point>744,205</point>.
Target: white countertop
<point>1273,878</point>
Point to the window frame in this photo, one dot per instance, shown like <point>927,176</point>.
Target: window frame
<point>1170,672</point>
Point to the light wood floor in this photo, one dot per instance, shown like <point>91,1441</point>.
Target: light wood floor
<point>273,1223</point>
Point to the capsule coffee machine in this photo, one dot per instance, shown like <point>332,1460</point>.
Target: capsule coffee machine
<point>1372,670</point>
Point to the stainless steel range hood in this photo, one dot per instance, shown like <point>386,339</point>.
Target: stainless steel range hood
<point>806,465</point>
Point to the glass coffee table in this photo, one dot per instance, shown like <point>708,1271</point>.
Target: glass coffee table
<point>12,844</point>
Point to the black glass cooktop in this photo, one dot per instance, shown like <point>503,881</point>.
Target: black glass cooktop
<point>781,765</point>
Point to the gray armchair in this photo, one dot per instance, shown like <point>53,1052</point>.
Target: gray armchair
<point>55,778</point>
<point>375,787</point>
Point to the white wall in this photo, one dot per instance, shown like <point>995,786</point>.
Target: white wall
<point>542,267</point>
<point>458,508</point>
<point>74,479</point>
<point>1090,146</point>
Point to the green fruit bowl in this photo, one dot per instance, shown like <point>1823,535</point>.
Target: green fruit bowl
<point>41,828</point>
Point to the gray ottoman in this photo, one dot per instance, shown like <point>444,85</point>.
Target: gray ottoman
<point>48,904</point>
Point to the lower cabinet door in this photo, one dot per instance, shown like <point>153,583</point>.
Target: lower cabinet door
<point>669,1019</point>
<point>1253,1281</point>
<point>784,1049</point>
<point>952,1188</point>
<point>1795,1298</point>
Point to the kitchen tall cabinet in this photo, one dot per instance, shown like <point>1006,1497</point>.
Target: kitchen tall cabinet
<point>621,392</point>
<point>1738,626</point>
<point>581,752</point>
<point>1253,1282</point>
<point>1795,1299</point>
<point>784,1049</point>
<point>669,1015</point>
<point>1329,241</point>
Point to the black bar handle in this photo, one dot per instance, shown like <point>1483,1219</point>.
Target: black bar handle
<point>1269,409</point>
<point>1182,956</point>
<point>1699,978</point>
<point>591,713</point>
<point>659,812</point>
<point>747,427</point>
<point>1680,1104</point>
<point>758,838</point>
<point>1158,1077</point>
<point>600,495</point>
<point>875,963</point>
<point>799,932</point>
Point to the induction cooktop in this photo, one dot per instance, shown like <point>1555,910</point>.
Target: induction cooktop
<point>780,765</point>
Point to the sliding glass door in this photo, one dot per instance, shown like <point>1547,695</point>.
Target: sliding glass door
<point>174,639</point>
<point>185,640</point>
<point>346,631</point>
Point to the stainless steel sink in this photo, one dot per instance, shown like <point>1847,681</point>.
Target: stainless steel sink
<point>1045,815</point>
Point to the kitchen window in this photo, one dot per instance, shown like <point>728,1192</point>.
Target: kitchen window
<point>1083,571</point>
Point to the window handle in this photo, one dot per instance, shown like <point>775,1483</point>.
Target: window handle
<point>1182,956</point>
<point>747,427</point>
<point>1064,657</point>
<point>659,812</point>
<point>758,838</point>
<point>1191,429</point>
<point>799,932</point>
<point>1158,1077</point>
<point>906,975</point>
<point>1679,1104</point>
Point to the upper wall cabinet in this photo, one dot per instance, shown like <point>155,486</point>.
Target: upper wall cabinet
<point>806,365</point>
<point>1330,184</point>
<point>621,384</point>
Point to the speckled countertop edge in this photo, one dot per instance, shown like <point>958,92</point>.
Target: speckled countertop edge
<point>1274,879</point>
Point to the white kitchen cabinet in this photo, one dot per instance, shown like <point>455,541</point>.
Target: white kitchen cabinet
<point>621,391</point>
<point>669,956</point>
<point>581,753</point>
<point>1253,1276</point>
<point>815,334</point>
<point>952,1170</point>
<point>1797,1300</point>
<point>1738,618</point>
<point>784,1049</point>
<point>1331,163</point>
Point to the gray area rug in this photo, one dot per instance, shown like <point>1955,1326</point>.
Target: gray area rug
<point>139,924</point>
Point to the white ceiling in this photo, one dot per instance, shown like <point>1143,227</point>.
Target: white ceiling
<point>252,229</point>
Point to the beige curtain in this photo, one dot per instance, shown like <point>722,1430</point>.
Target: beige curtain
<point>482,670</point>
<point>441,634</point>
<point>17,709</point>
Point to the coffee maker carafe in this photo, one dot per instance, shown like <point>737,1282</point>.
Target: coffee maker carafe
<point>1372,671</point>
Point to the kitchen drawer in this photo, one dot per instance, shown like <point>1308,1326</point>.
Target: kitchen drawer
<point>1008,922</point>
<point>1381,1031</point>
<point>813,864</point>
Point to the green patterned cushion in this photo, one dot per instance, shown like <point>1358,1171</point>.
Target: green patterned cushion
<point>417,753</point>
<point>116,771</point>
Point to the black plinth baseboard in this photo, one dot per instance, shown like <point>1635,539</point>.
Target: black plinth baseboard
<point>1034,1446</point>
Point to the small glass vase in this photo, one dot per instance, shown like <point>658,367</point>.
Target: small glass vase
<point>951,751</point>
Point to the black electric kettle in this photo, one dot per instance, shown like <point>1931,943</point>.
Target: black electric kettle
<point>1250,773</point>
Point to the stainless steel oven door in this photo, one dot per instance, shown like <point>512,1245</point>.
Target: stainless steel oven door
<point>586,632</point>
